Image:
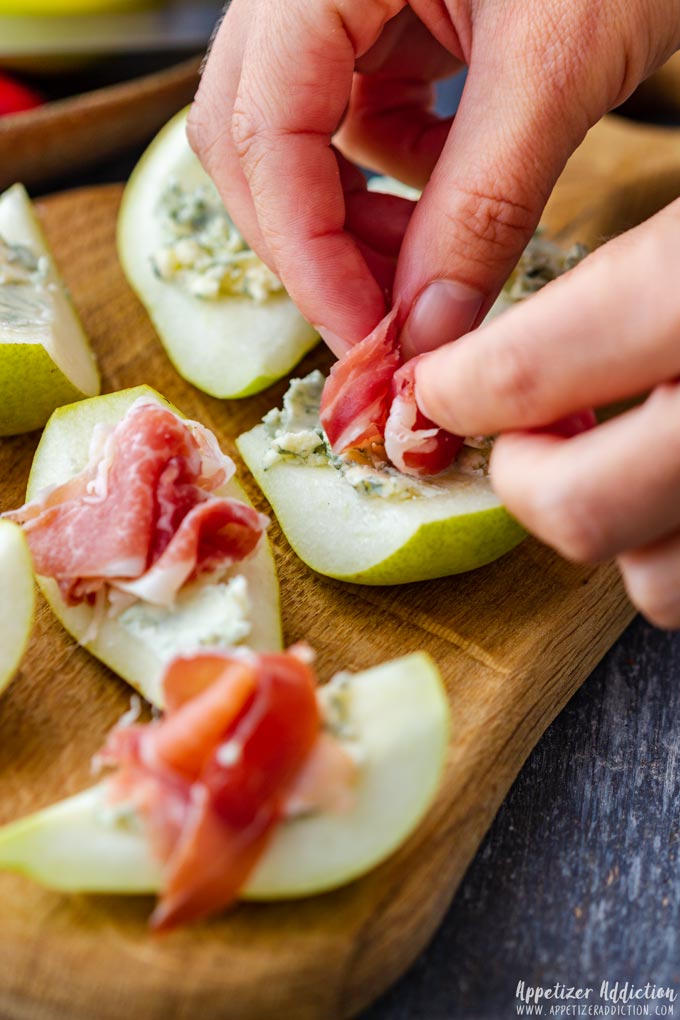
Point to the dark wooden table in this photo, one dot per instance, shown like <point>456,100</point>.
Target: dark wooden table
<point>578,880</point>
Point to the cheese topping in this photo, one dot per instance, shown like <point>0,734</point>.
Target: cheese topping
<point>203,615</point>
<point>25,299</point>
<point>204,253</point>
<point>296,434</point>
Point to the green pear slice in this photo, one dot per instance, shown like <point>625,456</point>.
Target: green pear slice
<point>45,357</point>
<point>17,598</point>
<point>400,715</point>
<point>350,534</point>
<point>231,346</point>
<point>139,644</point>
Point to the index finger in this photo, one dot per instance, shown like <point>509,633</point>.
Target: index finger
<point>294,86</point>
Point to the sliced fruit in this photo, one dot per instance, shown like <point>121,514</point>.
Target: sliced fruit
<point>138,644</point>
<point>17,598</point>
<point>336,519</point>
<point>45,358</point>
<point>227,344</point>
<point>400,716</point>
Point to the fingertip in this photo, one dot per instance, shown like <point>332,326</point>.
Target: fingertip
<point>435,392</point>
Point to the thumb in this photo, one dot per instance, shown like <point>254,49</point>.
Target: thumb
<point>514,131</point>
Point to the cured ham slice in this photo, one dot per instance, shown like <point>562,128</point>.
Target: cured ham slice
<point>356,398</point>
<point>211,780</point>
<point>368,400</point>
<point>413,443</point>
<point>142,517</point>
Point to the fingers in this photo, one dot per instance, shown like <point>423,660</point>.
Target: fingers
<point>297,65</point>
<point>603,492</point>
<point>605,331</point>
<point>209,127</point>
<point>517,123</point>
<point>652,579</point>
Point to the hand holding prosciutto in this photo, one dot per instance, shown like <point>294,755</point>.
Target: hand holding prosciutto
<point>296,93</point>
<point>286,78</point>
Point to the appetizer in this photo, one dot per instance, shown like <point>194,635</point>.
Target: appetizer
<point>142,540</point>
<point>388,497</point>
<point>224,318</point>
<point>45,358</point>
<point>255,783</point>
<point>17,598</point>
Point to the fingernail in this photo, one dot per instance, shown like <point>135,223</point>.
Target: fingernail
<point>443,311</point>
<point>332,340</point>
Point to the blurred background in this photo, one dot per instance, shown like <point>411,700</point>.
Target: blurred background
<point>85,84</point>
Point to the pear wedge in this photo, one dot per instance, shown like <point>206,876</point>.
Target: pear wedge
<point>400,715</point>
<point>138,650</point>
<point>45,358</point>
<point>17,599</point>
<point>231,346</point>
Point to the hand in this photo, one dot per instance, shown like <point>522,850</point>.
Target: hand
<point>606,331</point>
<point>284,73</point>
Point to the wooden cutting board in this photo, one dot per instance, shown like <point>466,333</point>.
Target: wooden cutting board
<point>513,640</point>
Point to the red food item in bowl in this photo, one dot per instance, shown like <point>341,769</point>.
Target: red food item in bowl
<point>16,97</point>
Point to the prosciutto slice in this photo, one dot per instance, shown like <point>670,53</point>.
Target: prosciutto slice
<point>142,517</point>
<point>413,443</point>
<point>368,400</point>
<point>356,398</point>
<point>210,780</point>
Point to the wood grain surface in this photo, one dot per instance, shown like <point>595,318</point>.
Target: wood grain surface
<point>513,640</point>
<point>70,134</point>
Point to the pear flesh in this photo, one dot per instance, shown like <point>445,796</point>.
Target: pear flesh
<point>17,599</point>
<point>399,718</point>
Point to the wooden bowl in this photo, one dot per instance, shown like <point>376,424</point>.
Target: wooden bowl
<point>78,132</point>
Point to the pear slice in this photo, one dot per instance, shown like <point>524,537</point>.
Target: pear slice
<point>139,644</point>
<point>351,532</point>
<point>45,358</point>
<point>17,599</point>
<point>229,346</point>
<point>399,714</point>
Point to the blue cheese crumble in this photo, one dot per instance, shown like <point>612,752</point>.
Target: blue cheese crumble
<point>203,615</point>
<point>25,299</point>
<point>295,433</point>
<point>203,252</point>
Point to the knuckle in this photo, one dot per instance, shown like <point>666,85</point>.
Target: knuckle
<point>206,130</point>
<point>247,132</point>
<point>490,228</point>
<point>571,527</point>
<point>650,595</point>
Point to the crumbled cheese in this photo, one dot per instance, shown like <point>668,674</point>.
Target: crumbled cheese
<point>296,433</point>
<point>203,252</point>
<point>541,262</point>
<point>210,614</point>
<point>25,299</point>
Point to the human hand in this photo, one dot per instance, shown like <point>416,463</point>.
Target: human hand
<point>283,73</point>
<point>606,331</point>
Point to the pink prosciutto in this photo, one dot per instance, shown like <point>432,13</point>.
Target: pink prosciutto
<point>357,395</point>
<point>211,780</point>
<point>413,443</point>
<point>142,517</point>
<point>369,400</point>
